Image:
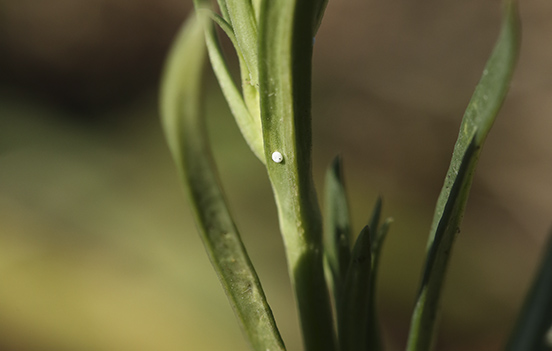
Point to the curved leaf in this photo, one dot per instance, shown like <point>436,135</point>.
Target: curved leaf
<point>248,124</point>
<point>358,324</point>
<point>244,22</point>
<point>478,119</point>
<point>353,322</point>
<point>533,331</point>
<point>337,231</point>
<point>374,339</point>
<point>185,131</point>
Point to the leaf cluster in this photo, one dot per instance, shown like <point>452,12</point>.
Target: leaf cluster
<point>334,282</point>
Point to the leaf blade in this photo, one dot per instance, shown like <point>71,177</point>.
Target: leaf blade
<point>477,121</point>
<point>185,132</point>
<point>374,339</point>
<point>533,330</point>
<point>249,124</point>
<point>355,304</point>
<point>244,21</point>
<point>337,231</point>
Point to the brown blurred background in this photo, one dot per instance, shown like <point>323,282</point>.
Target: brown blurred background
<point>98,250</point>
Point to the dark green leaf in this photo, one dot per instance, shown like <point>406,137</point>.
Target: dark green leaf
<point>355,304</point>
<point>320,8</point>
<point>374,339</point>
<point>533,331</point>
<point>373,223</point>
<point>337,232</point>
<point>478,119</point>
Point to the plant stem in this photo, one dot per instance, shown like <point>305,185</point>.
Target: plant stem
<point>285,53</point>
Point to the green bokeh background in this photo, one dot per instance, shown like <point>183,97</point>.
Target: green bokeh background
<point>98,249</point>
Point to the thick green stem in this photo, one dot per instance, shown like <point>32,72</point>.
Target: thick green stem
<point>285,53</point>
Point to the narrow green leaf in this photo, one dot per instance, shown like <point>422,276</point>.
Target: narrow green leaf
<point>374,340</point>
<point>377,241</point>
<point>533,330</point>
<point>244,16</point>
<point>248,124</point>
<point>185,132</point>
<point>181,83</point>
<point>250,92</point>
<point>223,10</point>
<point>337,231</point>
<point>285,54</point>
<point>320,9</point>
<point>371,338</point>
<point>478,119</point>
<point>422,328</point>
<point>223,24</point>
<point>353,322</point>
<point>373,223</point>
<point>244,22</point>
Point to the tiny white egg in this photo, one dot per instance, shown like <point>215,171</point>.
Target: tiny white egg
<point>277,157</point>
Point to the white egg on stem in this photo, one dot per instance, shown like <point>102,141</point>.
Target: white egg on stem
<point>277,157</point>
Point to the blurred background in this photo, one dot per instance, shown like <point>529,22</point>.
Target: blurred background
<point>98,250</point>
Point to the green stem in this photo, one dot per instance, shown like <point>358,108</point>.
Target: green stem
<point>285,53</point>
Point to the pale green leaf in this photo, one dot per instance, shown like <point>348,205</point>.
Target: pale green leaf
<point>244,21</point>
<point>223,9</point>
<point>248,124</point>
<point>184,128</point>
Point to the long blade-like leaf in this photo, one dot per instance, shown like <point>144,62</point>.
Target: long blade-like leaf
<point>223,10</point>
<point>244,21</point>
<point>320,8</point>
<point>374,340</point>
<point>373,223</point>
<point>185,132</point>
<point>533,331</point>
<point>477,121</point>
<point>248,124</point>
<point>285,54</point>
<point>353,322</point>
<point>337,231</point>
<point>222,23</point>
